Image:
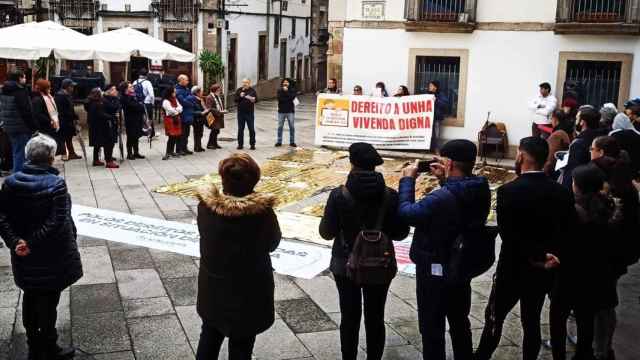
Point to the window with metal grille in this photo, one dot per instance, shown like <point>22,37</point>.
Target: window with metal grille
<point>598,10</point>
<point>445,70</point>
<point>277,22</point>
<point>442,10</point>
<point>306,27</point>
<point>597,82</point>
<point>262,59</point>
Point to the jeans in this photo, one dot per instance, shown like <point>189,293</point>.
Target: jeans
<point>39,314</point>
<point>351,295</point>
<point>248,120</point>
<point>291,118</point>
<point>507,290</point>
<point>439,301</point>
<point>18,143</point>
<point>183,143</point>
<point>211,341</point>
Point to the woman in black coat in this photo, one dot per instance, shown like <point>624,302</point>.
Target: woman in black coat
<point>585,281</point>
<point>238,230</point>
<point>133,120</point>
<point>68,119</point>
<point>45,111</point>
<point>37,227</point>
<point>102,131</point>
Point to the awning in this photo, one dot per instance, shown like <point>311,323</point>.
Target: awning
<point>139,44</point>
<point>31,41</point>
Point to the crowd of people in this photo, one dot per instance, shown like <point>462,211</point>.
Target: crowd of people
<point>568,223</point>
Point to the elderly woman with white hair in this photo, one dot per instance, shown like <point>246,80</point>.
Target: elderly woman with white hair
<point>200,113</point>
<point>36,226</point>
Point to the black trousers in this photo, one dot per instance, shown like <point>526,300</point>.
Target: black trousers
<point>133,145</point>
<point>171,144</point>
<point>183,143</point>
<point>150,115</point>
<point>561,306</point>
<point>211,341</point>
<point>508,289</point>
<point>375,297</point>
<point>213,137</point>
<point>108,152</point>
<point>198,133</point>
<point>39,314</point>
<point>439,301</point>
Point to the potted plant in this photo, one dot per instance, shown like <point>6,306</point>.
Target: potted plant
<point>212,67</point>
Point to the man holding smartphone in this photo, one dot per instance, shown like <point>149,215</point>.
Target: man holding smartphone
<point>462,199</point>
<point>246,98</point>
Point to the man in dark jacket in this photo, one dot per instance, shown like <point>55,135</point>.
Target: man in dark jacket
<point>286,110</point>
<point>188,102</point>
<point>579,150</point>
<point>37,227</point>
<point>463,198</point>
<point>440,111</point>
<point>534,215</point>
<point>246,98</point>
<point>16,116</point>
<point>68,117</point>
<point>343,219</point>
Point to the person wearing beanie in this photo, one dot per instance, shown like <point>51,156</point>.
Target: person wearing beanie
<point>534,217</point>
<point>462,199</point>
<point>350,208</point>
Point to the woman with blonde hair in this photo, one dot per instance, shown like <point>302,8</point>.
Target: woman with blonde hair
<point>238,230</point>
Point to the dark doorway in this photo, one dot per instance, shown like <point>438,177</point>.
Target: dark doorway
<point>184,40</point>
<point>233,64</point>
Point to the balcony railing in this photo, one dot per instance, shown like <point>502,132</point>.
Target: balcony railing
<point>177,11</point>
<point>441,10</point>
<point>606,17</point>
<point>440,15</point>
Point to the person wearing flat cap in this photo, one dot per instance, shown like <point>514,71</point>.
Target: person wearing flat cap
<point>68,119</point>
<point>462,199</point>
<point>351,208</point>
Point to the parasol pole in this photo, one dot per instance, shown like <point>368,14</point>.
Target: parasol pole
<point>47,73</point>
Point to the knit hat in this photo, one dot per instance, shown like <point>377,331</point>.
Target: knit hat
<point>460,150</point>
<point>68,82</point>
<point>364,156</point>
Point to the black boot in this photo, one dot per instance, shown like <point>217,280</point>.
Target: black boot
<point>52,350</point>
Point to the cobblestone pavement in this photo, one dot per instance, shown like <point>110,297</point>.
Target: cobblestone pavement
<point>136,303</point>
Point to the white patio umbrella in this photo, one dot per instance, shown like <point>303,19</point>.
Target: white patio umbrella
<point>140,44</point>
<point>35,40</point>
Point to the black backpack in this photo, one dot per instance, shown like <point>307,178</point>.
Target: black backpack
<point>473,251</point>
<point>372,260</point>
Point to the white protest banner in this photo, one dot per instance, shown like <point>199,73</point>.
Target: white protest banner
<point>402,123</point>
<point>291,258</point>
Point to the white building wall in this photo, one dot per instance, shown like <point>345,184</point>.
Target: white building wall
<point>505,68</point>
<point>487,10</point>
<point>249,25</point>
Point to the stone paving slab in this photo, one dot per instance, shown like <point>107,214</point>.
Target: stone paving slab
<point>139,284</point>
<point>96,265</point>
<point>159,337</point>
<point>304,316</point>
<point>101,333</point>
<point>182,291</point>
<point>95,299</point>
<point>147,307</point>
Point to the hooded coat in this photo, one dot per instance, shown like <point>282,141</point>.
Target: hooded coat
<point>343,219</point>
<point>16,111</point>
<point>438,216</point>
<point>133,116</point>
<point>35,206</point>
<point>235,282</point>
<point>67,114</point>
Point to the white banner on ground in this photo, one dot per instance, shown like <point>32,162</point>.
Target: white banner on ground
<point>385,122</point>
<point>291,258</point>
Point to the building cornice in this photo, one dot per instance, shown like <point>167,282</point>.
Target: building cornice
<point>483,26</point>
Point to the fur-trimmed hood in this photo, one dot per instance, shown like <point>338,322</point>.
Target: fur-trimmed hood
<point>231,206</point>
